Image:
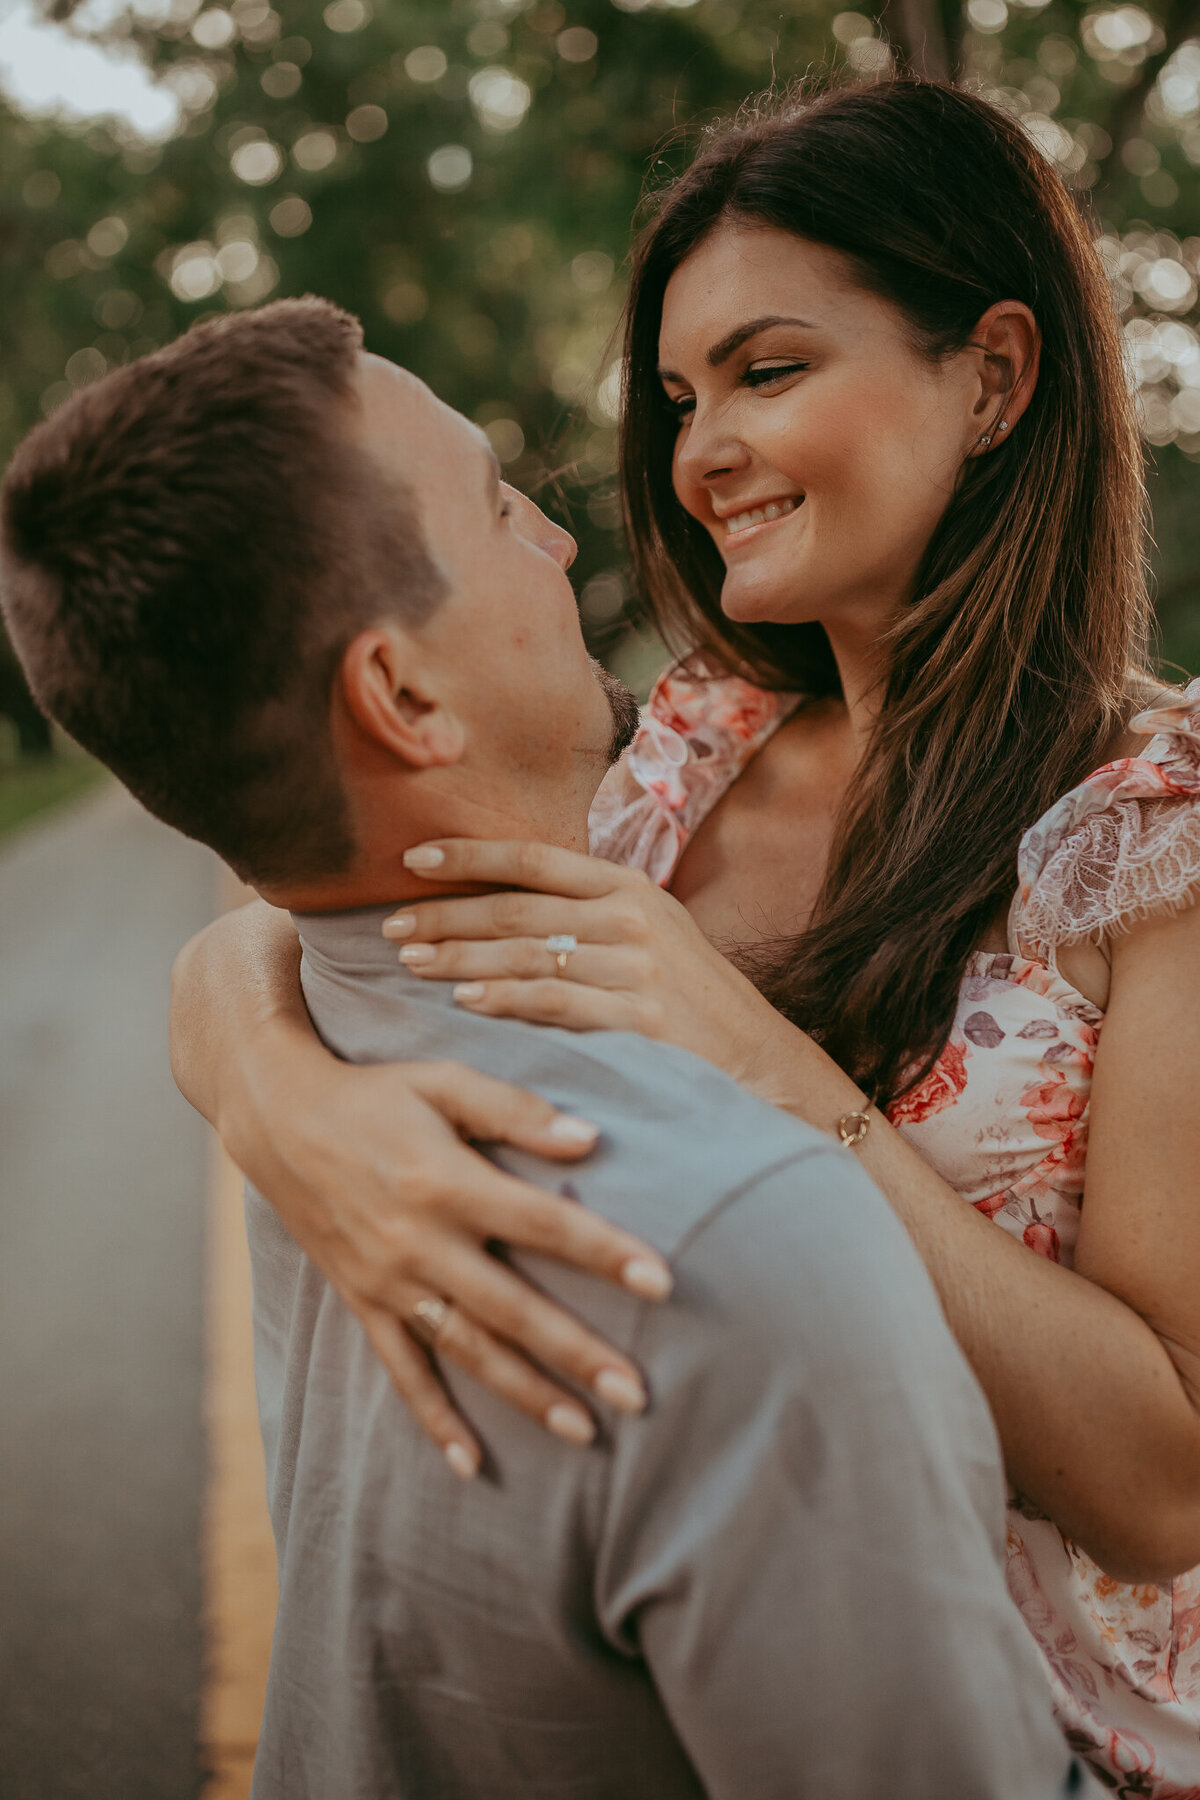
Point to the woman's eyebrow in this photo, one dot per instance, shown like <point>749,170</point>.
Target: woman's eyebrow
<point>734,340</point>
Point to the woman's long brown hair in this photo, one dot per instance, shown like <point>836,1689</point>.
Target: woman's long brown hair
<point>1010,668</point>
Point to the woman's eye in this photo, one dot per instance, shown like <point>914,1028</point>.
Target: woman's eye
<point>764,373</point>
<point>761,375</point>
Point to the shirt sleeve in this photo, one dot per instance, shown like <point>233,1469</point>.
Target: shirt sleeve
<point>803,1536</point>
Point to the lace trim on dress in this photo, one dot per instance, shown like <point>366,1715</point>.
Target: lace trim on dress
<point>697,734</point>
<point>1122,846</point>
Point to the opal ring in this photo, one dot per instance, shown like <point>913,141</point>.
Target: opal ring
<point>561,945</point>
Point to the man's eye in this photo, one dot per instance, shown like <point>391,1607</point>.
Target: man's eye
<point>765,373</point>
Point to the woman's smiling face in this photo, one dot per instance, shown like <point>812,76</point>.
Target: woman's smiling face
<point>818,445</point>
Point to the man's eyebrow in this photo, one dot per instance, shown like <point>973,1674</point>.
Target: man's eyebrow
<point>734,340</point>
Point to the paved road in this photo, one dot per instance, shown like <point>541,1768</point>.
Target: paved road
<point>102,1191</point>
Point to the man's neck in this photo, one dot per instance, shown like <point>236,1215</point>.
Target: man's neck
<point>351,892</point>
<point>379,877</point>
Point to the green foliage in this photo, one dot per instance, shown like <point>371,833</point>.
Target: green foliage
<point>463,176</point>
<point>33,785</point>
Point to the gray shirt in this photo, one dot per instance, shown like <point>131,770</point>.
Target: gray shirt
<point>783,1581</point>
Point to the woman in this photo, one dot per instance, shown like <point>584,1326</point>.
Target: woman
<point>883,483</point>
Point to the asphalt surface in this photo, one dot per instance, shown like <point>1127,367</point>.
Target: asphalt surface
<point>103,1184</point>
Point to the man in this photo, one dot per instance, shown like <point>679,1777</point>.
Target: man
<point>280,589</point>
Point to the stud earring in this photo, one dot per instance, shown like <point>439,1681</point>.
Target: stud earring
<point>984,442</point>
<point>1003,425</point>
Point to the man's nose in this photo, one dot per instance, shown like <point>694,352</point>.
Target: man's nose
<point>534,525</point>
<point>562,547</point>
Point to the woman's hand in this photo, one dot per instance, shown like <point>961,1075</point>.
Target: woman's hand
<point>369,1170</point>
<point>640,962</point>
<point>394,1208</point>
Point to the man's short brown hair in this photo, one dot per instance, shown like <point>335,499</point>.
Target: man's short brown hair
<point>186,548</point>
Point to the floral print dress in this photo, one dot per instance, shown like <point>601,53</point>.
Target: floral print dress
<point>1003,1117</point>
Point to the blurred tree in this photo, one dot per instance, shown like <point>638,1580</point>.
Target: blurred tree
<point>463,176</point>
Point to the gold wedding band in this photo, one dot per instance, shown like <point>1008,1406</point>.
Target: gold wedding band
<point>427,1320</point>
<point>560,945</point>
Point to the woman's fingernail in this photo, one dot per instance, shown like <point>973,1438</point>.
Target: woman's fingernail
<point>400,927</point>
<point>620,1391</point>
<point>425,856</point>
<point>463,1461</point>
<point>469,990</point>
<point>565,1129</point>
<point>570,1422</point>
<point>650,1280</point>
<point>415,954</point>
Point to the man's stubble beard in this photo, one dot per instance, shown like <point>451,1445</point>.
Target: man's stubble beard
<point>622,704</point>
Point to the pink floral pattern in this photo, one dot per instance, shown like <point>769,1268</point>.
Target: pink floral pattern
<point>940,1088</point>
<point>1003,1117</point>
<point>697,735</point>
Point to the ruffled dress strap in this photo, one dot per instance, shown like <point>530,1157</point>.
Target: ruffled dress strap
<point>1122,846</point>
<point>698,732</point>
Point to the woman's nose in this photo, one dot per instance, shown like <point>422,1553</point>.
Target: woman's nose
<point>707,450</point>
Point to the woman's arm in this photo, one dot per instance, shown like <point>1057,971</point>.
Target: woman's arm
<point>367,1170</point>
<point>239,975</point>
<point>1094,1375</point>
<point>1091,1374</point>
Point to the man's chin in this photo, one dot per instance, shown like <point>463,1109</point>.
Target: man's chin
<point>622,704</point>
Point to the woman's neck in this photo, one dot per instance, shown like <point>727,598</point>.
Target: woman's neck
<point>861,667</point>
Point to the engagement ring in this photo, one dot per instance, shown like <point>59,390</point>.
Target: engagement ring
<point>560,945</point>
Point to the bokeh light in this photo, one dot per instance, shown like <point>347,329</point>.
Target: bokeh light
<point>500,98</point>
<point>465,178</point>
<point>450,168</point>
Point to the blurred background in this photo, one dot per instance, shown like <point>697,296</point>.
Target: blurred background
<point>462,176</point>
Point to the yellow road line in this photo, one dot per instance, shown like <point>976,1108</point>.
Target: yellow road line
<point>239,1551</point>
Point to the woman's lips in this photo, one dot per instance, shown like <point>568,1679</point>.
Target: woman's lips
<point>741,527</point>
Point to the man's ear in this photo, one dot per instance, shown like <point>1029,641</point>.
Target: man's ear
<point>385,694</point>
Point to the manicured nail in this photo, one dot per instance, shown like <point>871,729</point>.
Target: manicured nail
<point>570,1422</point>
<point>620,1391</point>
<point>415,954</point>
<point>402,926</point>
<point>469,990</point>
<point>566,1129</point>
<point>425,856</point>
<point>464,1463</point>
<point>649,1280</point>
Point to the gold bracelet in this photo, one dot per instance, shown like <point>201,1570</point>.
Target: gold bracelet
<point>852,1128</point>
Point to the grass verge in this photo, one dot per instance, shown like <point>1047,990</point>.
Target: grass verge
<point>30,786</point>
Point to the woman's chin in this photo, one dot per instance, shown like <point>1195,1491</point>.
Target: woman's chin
<point>752,603</point>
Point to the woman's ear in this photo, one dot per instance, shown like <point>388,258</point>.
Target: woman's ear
<point>382,688</point>
<point>1009,344</point>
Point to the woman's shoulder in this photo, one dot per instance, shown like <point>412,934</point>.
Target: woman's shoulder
<point>697,701</point>
<point>1124,844</point>
<point>699,729</point>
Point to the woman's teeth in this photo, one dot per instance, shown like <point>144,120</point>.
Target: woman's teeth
<point>759,515</point>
